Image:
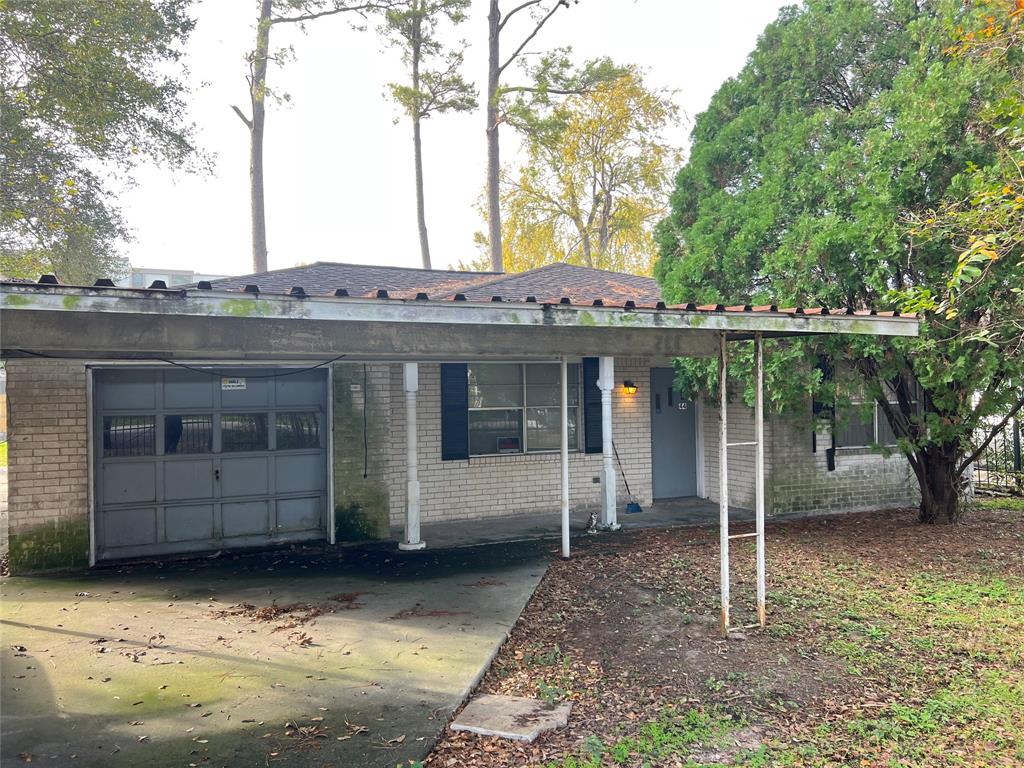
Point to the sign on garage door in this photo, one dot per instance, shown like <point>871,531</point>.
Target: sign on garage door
<point>188,461</point>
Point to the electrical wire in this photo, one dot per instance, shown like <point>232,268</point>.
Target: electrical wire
<point>207,371</point>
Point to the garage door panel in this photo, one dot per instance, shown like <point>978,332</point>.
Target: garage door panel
<point>245,518</point>
<point>187,389</point>
<point>300,389</point>
<point>129,527</point>
<point>129,390</point>
<point>129,483</point>
<point>298,474</point>
<point>188,523</point>
<point>188,480</point>
<point>245,391</point>
<point>299,514</point>
<point>244,476</point>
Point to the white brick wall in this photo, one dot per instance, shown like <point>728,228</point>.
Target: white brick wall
<point>48,471</point>
<point>514,484</point>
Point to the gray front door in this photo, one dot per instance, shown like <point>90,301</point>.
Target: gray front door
<point>188,461</point>
<point>673,438</point>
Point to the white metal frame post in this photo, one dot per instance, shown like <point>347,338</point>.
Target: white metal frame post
<point>606,383</point>
<point>412,539</point>
<point>564,365</point>
<point>723,484</point>
<point>759,472</point>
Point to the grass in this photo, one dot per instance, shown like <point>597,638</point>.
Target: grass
<point>889,645</point>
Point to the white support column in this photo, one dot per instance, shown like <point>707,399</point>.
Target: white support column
<point>759,472</point>
<point>565,457</point>
<point>723,484</point>
<point>606,383</point>
<point>411,540</point>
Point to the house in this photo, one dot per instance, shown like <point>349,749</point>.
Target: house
<point>335,401</point>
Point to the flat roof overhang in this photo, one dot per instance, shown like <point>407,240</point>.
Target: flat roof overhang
<point>193,324</point>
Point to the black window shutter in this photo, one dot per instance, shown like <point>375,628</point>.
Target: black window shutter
<point>591,406</point>
<point>822,410</point>
<point>454,411</point>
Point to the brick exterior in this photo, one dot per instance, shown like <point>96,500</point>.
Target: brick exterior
<point>48,471</point>
<point>797,479</point>
<point>49,484</point>
<point>515,484</point>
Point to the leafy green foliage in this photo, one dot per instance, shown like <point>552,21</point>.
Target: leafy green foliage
<point>811,181</point>
<point>84,85</point>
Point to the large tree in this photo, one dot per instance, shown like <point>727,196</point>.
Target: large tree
<point>808,171</point>
<point>595,178</point>
<point>87,91</point>
<point>435,84</point>
<point>538,13</point>
<point>273,13</point>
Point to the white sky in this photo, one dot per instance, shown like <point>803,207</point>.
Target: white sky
<point>339,173</point>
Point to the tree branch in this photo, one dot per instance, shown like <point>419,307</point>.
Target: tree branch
<point>516,10</point>
<point>991,436</point>
<point>243,118</point>
<point>370,6</point>
<point>533,34</point>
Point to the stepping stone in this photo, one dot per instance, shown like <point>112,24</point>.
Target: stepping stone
<point>511,717</point>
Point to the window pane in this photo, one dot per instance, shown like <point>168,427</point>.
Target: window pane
<point>498,431</point>
<point>855,427</point>
<point>188,434</point>
<point>243,432</point>
<point>129,435</point>
<point>297,430</point>
<point>885,434</point>
<point>495,385</point>
<point>543,384</point>
<point>544,430</point>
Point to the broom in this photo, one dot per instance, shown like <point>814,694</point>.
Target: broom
<point>633,507</point>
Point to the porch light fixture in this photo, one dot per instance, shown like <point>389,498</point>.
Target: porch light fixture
<point>629,387</point>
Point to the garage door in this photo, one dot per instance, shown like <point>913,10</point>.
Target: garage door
<point>189,461</point>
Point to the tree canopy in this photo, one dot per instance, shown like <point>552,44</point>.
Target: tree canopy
<point>84,86</point>
<point>596,174</point>
<point>818,176</point>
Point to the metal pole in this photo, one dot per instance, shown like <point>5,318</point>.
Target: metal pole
<point>565,457</point>
<point>759,472</point>
<point>723,486</point>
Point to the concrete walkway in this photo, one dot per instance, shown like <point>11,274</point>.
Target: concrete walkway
<point>662,514</point>
<point>151,665</point>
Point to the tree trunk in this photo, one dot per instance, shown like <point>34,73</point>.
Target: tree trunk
<point>257,94</point>
<point>417,145</point>
<point>493,157</point>
<point>935,467</point>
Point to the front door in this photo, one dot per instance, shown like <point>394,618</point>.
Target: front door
<point>673,438</point>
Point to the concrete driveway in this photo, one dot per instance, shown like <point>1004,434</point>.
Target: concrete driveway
<point>351,658</point>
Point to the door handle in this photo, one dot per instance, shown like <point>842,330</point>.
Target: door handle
<point>216,474</point>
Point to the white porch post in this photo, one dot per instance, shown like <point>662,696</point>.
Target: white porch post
<point>411,540</point>
<point>759,472</point>
<point>606,383</point>
<point>723,484</point>
<point>565,457</point>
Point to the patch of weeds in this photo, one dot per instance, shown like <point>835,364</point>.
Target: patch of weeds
<point>1013,504</point>
<point>781,629</point>
<point>551,694</point>
<point>946,593</point>
<point>674,735</point>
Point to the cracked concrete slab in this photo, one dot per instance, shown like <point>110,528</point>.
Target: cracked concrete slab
<point>511,717</point>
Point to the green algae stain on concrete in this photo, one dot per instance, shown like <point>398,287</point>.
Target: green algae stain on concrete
<point>63,544</point>
<point>243,308</point>
<point>72,302</point>
<point>16,300</point>
<point>586,319</point>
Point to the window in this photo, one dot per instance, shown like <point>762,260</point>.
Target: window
<point>863,426</point>
<point>129,435</point>
<point>188,434</point>
<point>243,432</point>
<point>297,430</point>
<point>516,408</point>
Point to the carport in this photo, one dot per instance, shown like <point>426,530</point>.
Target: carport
<point>220,337</point>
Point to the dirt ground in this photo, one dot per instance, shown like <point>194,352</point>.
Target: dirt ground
<point>888,644</point>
